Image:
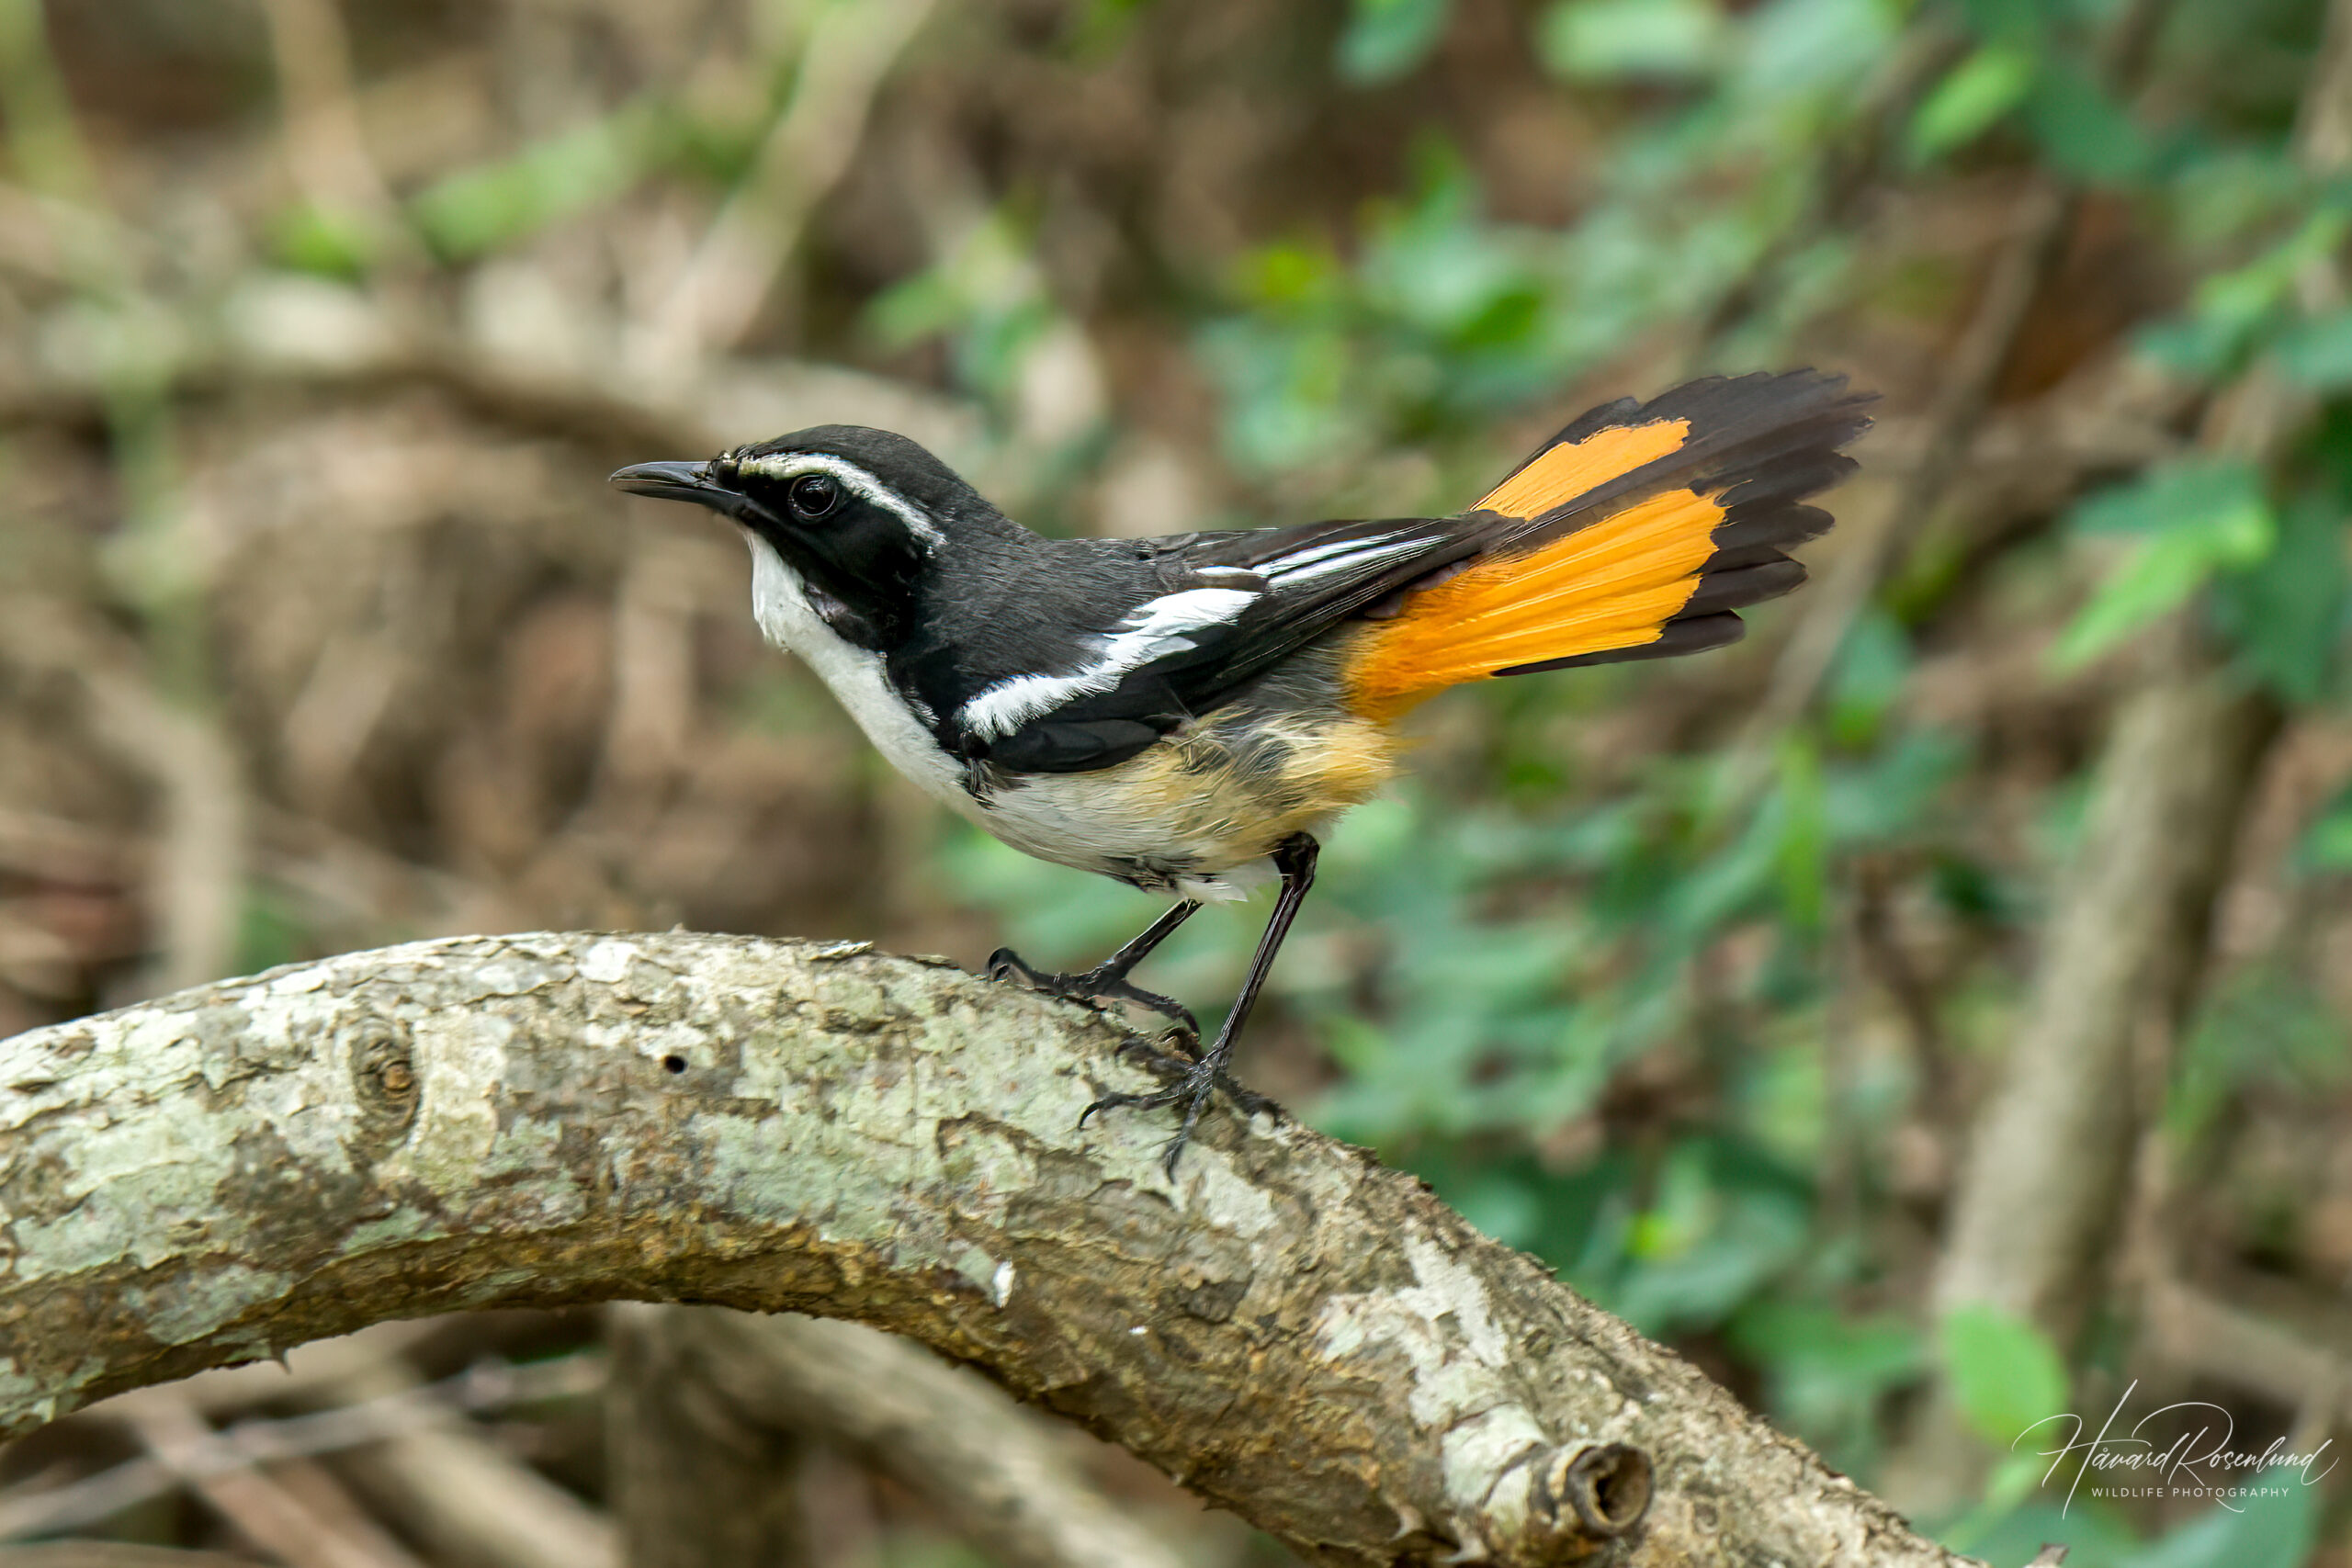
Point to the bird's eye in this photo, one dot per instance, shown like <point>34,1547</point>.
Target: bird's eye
<point>813,495</point>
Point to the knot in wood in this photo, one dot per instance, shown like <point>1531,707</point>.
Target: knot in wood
<point>383,1080</point>
<point>1562,1506</point>
<point>1606,1485</point>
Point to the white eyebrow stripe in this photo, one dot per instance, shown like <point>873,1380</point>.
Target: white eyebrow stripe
<point>1148,631</point>
<point>790,465</point>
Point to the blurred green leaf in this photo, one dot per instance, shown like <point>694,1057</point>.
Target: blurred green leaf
<point>2004,1371</point>
<point>923,1548</point>
<point>2286,611</point>
<point>2018,23</point>
<point>2187,494</point>
<point>316,240</point>
<point>1872,665</point>
<point>2326,844</point>
<point>1730,881</point>
<point>495,204</point>
<point>2245,293</point>
<point>2232,310</point>
<point>2092,1535</point>
<point>2275,1528</point>
<point>1600,39</point>
<point>1888,794</point>
<point>1872,1352</point>
<point>2230,193</point>
<point>2318,354</point>
<point>1827,1373</point>
<point>1434,266</point>
<point>1807,49</point>
<point>2196,345</point>
<point>1804,838</point>
<point>270,930</point>
<point>2265,1026</point>
<point>1969,100</point>
<point>1385,39</point>
<point>1722,1223</point>
<point>2014,1480</point>
<point>2158,576</point>
<point>2083,130</point>
<point>2196,517</point>
<point>1291,273</point>
<point>1557,1215</point>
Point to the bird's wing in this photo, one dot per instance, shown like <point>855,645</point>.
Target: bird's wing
<point>1230,606</point>
<point>1633,533</point>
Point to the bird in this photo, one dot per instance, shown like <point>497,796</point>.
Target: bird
<point>1190,713</point>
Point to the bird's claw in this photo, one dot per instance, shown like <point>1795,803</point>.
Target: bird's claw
<point>1192,1084</point>
<point>1176,1070</point>
<point>1093,987</point>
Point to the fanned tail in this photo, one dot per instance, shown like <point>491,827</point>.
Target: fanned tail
<point>1633,533</point>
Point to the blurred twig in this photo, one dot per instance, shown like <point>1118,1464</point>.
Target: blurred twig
<point>848,50</point>
<point>196,874</point>
<point>990,1466</point>
<point>2038,226</point>
<point>467,1499</point>
<point>2036,237</point>
<point>1846,168</point>
<point>326,148</point>
<point>198,1454</point>
<point>113,1554</point>
<point>303,332</point>
<point>261,1511</point>
<point>695,1485</point>
<point>198,870</point>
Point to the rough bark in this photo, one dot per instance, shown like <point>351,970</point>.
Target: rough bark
<point>1290,1330</point>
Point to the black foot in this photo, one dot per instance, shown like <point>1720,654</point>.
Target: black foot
<point>1093,986</point>
<point>1190,1084</point>
<point>1171,1069</point>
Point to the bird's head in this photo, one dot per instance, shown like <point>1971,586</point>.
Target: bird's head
<point>857,515</point>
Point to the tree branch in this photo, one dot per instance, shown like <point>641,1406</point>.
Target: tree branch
<point>1293,1332</point>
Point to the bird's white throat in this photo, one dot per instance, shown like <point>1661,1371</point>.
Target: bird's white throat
<point>780,605</point>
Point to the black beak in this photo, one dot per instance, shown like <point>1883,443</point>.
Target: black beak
<point>691,481</point>
<point>677,482</point>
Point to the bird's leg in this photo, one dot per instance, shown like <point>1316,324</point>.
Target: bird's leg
<point>1109,978</point>
<point>1294,858</point>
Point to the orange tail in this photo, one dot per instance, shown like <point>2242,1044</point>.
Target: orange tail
<point>1644,528</point>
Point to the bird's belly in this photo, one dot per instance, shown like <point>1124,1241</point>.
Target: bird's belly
<point>1198,814</point>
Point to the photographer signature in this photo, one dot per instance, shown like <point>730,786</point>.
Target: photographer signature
<point>2197,1463</point>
